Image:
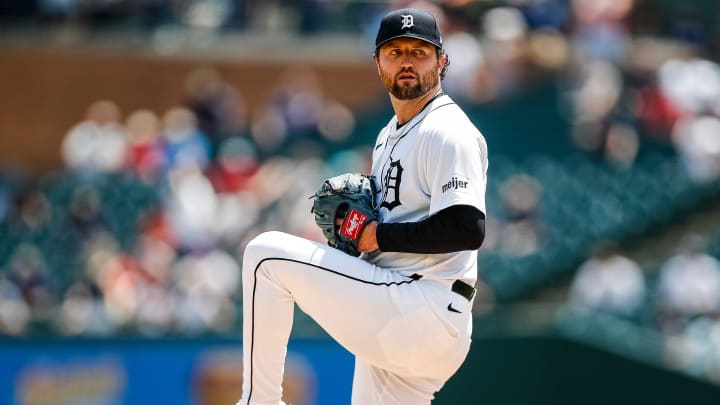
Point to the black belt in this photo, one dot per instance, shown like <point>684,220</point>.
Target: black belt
<point>464,289</point>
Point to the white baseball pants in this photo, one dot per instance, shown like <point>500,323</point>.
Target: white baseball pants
<point>406,341</point>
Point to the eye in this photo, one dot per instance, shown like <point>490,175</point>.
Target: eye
<point>394,52</point>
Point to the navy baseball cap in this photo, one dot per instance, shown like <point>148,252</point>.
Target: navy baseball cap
<point>408,23</point>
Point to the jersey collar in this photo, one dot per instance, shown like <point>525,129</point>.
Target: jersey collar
<point>406,127</point>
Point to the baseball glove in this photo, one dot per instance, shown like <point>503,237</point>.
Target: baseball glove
<point>350,198</point>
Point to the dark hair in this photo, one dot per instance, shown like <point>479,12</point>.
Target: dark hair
<point>440,53</point>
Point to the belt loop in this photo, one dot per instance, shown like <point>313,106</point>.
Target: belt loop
<point>464,289</point>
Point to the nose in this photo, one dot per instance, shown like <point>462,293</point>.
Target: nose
<point>406,60</point>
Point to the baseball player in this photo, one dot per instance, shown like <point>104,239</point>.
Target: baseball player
<point>403,307</point>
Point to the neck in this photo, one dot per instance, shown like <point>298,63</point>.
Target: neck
<point>406,109</point>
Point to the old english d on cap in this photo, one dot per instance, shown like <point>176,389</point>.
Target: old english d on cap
<point>408,23</point>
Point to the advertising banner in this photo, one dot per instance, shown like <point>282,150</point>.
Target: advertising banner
<point>160,371</point>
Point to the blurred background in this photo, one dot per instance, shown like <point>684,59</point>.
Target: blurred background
<point>143,143</point>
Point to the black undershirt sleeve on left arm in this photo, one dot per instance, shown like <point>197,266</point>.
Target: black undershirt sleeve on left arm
<point>456,228</point>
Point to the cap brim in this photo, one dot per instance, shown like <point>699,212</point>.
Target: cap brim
<point>414,36</point>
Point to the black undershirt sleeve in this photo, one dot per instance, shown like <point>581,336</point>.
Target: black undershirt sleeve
<point>456,228</point>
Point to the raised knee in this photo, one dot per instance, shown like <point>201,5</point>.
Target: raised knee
<point>265,240</point>
<point>261,246</point>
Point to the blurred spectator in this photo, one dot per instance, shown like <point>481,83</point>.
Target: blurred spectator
<point>544,14</point>
<point>598,92</point>
<point>272,17</point>
<point>34,211</point>
<point>689,284</point>
<point>336,121</point>
<point>97,144</point>
<point>6,200</point>
<point>191,208</point>
<point>268,129</point>
<point>14,311</point>
<point>299,99</point>
<point>521,233</point>
<point>505,48</point>
<point>218,106</point>
<point>305,179</point>
<point>622,145</point>
<point>82,311</point>
<point>156,225</point>
<point>691,84</point>
<point>549,50</point>
<point>600,31</point>
<point>156,257</point>
<point>297,110</point>
<point>656,114</point>
<point>157,310</point>
<point>95,255</point>
<point>237,213</point>
<point>203,15</point>
<point>696,349</point>
<point>145,156</point>
<point>466,56</point>
<point>56,10</point>
<point>609,282</point>
<point>272,180</point>
<point>697,140</point>
<point>156,313</point>
<point>28,271</point>
<point>235,163</point>
<point>183,142</point>
<point>207,282</point>
<point>85,213</point>
<point>124,285</point>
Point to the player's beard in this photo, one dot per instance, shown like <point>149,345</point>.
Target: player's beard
<point>408,92</point>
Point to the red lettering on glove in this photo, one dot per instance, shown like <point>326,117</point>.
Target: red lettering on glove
<point>354,221</point>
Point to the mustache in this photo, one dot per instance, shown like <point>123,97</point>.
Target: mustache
<point>406,70</point>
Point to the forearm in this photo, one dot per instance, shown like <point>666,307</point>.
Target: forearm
<point>453,229</point>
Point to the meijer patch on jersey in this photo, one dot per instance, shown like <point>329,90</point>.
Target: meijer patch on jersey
<point>454,184</point>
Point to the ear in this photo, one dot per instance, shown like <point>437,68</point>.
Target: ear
<point>443,60</point>
<point>377,64</point>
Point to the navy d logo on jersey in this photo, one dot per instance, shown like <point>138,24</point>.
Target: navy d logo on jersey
<point>407,21</point>
<point>391,181</point>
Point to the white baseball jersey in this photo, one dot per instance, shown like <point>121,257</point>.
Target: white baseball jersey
<point>408,334</point>
<point>435,160</point>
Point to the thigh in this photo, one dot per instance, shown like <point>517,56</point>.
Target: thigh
<point>351,299</point>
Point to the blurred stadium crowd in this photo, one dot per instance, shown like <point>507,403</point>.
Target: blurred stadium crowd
<point>143,230</point>
<point>145,226</point>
